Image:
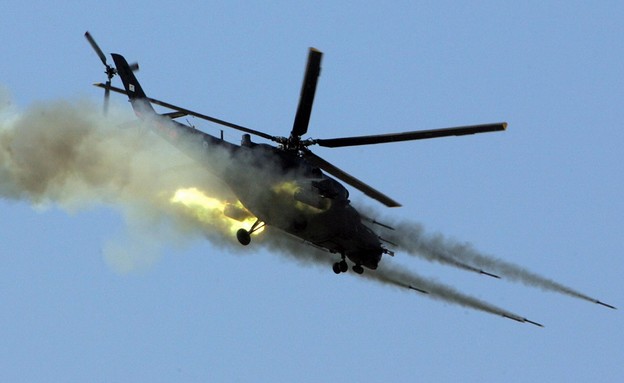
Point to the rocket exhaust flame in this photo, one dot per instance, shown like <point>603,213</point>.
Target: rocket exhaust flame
<point>211,211</point>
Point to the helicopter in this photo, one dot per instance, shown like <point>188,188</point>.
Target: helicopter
<point>285,186</point>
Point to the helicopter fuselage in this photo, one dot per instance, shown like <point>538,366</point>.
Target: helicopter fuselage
<point>281,190</point>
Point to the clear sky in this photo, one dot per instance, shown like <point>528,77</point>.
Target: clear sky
<point>546,194</point>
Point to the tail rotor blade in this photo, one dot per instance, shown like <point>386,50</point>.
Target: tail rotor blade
<point>110,71</point>
<point>107,89</point>
<point>95,47</point>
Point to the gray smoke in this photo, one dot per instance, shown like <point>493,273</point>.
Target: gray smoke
<point>65,154</point>
<point>387,274</point>
<point>412,239</point>
<point>403,278</point>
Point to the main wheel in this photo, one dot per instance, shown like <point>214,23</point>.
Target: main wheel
<point>336,268</point>
<point>343,266</point>
<point>243,237</point>
<point>358,269</point>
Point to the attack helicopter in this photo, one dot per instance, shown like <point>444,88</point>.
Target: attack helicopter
<point>285,186</point>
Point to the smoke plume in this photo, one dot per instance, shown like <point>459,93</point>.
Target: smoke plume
<point>410,237</point>
<point>66,154</point>
<point>403,278</point>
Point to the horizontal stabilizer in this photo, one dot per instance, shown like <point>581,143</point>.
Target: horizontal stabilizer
<point>174,115</point>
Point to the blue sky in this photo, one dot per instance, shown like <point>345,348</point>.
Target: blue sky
<point>546,194</point>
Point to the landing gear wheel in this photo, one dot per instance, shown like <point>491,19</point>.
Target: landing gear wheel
<point>336,268</point>
<point>343,266</point>
<point>358,269</point>
<point>243,237</point>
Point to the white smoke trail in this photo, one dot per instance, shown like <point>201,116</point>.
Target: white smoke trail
<point>412,238</point>
<point>403,278</point>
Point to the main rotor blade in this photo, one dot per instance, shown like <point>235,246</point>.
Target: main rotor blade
<point>195,114</point>
<point>95,47</point>
<point>342,175</point>
<point>408,136</point>
<point>308,89</point>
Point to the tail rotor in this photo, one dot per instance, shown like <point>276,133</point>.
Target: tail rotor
<point>110,70</point>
